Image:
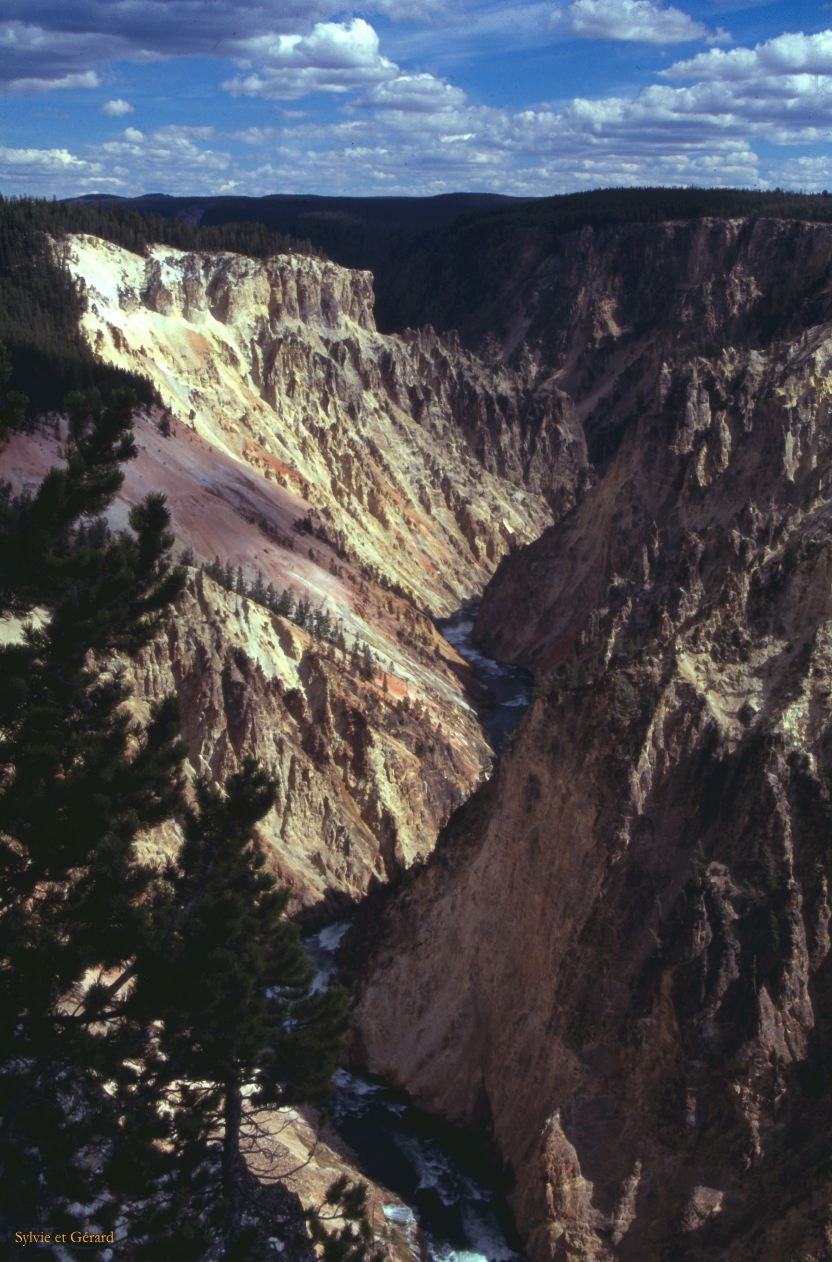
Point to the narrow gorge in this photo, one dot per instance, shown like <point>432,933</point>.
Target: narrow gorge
<point>645,1037</point>
<point>300,448</point>
<point>530,620</point>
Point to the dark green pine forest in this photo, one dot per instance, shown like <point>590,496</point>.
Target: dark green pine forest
<point>40,307</point>
<point>151,1016</point>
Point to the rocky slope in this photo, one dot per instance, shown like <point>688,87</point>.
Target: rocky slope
<point>377,478</point>
<point>308,1158</point>
<point>370,756</point>
<point>598,307</point>
<point>277,363</point>
<point>617,961</point>
<point>365,775</point>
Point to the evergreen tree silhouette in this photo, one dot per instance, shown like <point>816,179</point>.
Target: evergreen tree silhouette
<point>137,1004</point>
<point>228,974</point>
<point>78,784</point>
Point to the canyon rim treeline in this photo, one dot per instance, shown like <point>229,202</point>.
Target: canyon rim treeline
<point>627,444</point>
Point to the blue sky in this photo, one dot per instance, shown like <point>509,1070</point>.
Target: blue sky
<point>412,96</point>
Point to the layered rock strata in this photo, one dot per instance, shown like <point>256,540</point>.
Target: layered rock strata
<point>366,771</point>
<point>277,363</point>
<point>371,750</point>
<point>377,478</point>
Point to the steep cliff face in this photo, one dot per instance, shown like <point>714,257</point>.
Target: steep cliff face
<point>374,478</point>
<point>598,308</point>
<point>371,750</point>
<point>647,1036</point>
<point>531,277</point>
<point>365,775</point>
<point>277,363</point>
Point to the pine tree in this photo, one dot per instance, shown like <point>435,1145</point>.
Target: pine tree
<point>78,782</point>
<point>233,983</point>
<point>14,414</point>
<point>286,603</point>
<point>325,625</point>
<point>353,1241</point>
<point>302,613</point>
<point>368,662</point>
<point>125,989</point>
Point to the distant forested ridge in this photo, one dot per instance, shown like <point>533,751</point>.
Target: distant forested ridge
<point>359,231</point>
<point>428,254</point>
<point>459,276</point>
<point>569,211</point>
<point>40,308</point>
<point>419,247</point>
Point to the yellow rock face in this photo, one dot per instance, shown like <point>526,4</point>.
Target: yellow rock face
<point>277,365</point>
<point>300,444</point>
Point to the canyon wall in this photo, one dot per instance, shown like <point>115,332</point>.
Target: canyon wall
<point>597,308</point>
<point>377,478</point>
<point>365,775</point>
<point>617,961</point>
<point>277,363</point>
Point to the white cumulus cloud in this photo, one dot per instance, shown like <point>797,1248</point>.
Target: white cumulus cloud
<point>401,128</point>
<point>167,155</point>
<point>636,20</point>
<point>333,57</point>
<point>41,170</point>
<point>48,159</point>
<point>415,93</point>
<point>32,84</point>
<point>791,53</point>
<point>117,108</point>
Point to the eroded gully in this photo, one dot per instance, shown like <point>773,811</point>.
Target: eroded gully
<point>448,1206</point>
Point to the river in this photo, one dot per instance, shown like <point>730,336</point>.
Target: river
<point>510,686</point>
<point>448,1208</point>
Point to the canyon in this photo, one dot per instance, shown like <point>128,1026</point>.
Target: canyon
<point>607,951</point>
<point>377,478</point>
<point>646,1039</point>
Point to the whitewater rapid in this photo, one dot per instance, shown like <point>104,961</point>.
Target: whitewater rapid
<point>509,686</point>
<point>449,1211</point>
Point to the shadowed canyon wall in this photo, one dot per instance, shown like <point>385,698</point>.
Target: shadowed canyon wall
<point>617,961</point>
